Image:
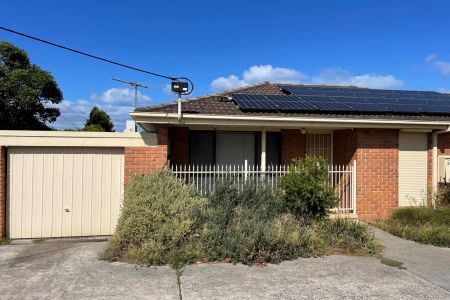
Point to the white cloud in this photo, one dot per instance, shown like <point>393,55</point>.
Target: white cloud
<point>123,96</point>
<point>431,57</point>
<point>167,89</point>
<point>443,90</point>
<point>228,83</point>
<point>331,76</point>
<point>442,66</point>
<point>338,76</point>
<point>117,102</point>
<point>268,73</point>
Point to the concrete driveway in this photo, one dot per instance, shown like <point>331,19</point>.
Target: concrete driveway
<point>66,269</point>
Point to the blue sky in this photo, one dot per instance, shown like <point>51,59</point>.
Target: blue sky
<point>226,44</point>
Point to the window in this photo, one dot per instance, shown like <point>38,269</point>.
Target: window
<point>235,147</point>
<point>319,144</point>
<point>231,148</point>
<point>201,147</point>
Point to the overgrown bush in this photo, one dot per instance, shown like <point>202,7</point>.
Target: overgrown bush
<point>420,224</point>
<point>442,196</point>
<point>346,236</point>
<point>161,222</point>
<point>252,226</point>
<point>306,189</point>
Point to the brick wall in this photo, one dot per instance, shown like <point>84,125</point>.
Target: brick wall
<point>377,172</point>
<point>344,146</point>
<point>293,145</point>
<point>179,145</point>
<point>145,160</point>
<point>2,192</point>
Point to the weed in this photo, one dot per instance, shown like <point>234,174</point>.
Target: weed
<point>392,263</point>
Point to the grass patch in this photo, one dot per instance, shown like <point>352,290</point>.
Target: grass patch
<point>38,241</point>
<point>5,241</point>
<point>421,224</point>
<point>163,221</point>
<point>392,263</point>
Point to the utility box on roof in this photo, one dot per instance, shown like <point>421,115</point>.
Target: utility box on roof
<point>444,169</point>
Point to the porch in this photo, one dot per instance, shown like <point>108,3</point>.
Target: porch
<point>205,179</point>
<point>206,158</point>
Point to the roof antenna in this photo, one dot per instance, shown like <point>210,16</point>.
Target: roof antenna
<point>136,85</point>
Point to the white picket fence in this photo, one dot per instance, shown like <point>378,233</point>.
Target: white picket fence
<point>205,178</point>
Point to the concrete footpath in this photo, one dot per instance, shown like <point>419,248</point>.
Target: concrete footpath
<point>71,270</point>
<point>428,262</point>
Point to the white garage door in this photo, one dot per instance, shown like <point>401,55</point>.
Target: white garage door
<point>412,182</point>
<point>64,191</point>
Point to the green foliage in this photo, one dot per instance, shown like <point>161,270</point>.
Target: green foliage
<point>94,128</point>
<point>99,118</point>
<point>26,92</point>
<point>252,226</point>
<point>306,188</point>
<point>161,222</point>
<point>420,224</point>
<point>5,241</point>
<point>346,236</point>
<point>442,197</point>
<point>392,263</point>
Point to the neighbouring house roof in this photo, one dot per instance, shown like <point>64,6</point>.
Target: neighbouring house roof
<point>222,103</point>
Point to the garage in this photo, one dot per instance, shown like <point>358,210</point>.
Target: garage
<point>63,191</point>
<point>412,168</point>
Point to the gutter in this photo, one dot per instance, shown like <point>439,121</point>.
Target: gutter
<point>227,120</point>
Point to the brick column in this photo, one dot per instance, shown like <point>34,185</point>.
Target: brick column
<point>344,146</point>
<point>146,160</point>
<point>377,173</point>
<point>293,145</point>
<point>2,192</point>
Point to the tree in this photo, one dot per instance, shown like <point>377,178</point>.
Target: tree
<point>100,118</point>
<point>26,92</point>
<point>93,127</point>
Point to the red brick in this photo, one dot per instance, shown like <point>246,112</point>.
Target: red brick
<point>144,160</point>
<point>376,173</point>
<point>293,145</point>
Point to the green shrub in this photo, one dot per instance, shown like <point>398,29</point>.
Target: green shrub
<point>161,222</point>
<point>442,196</point>
<point>346,236</point>
<point>252,226</point>
<point>420,224</point>
<point>306,189</point>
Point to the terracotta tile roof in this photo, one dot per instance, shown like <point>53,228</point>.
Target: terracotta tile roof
<point>220,104</point>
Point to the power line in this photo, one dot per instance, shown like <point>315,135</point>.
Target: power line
<point>98,57</point>
<point>73,110</point>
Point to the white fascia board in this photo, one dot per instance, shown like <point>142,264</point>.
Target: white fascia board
<point>284,122</point>
<point>76,139</point>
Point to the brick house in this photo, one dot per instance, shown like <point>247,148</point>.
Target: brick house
<point>55,184</point>
<point>396,147</point>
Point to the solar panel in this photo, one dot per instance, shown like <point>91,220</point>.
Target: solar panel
<point>324,99</point>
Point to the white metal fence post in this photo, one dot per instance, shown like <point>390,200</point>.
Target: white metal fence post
<point>245,169</point>
<point>206,178</point>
